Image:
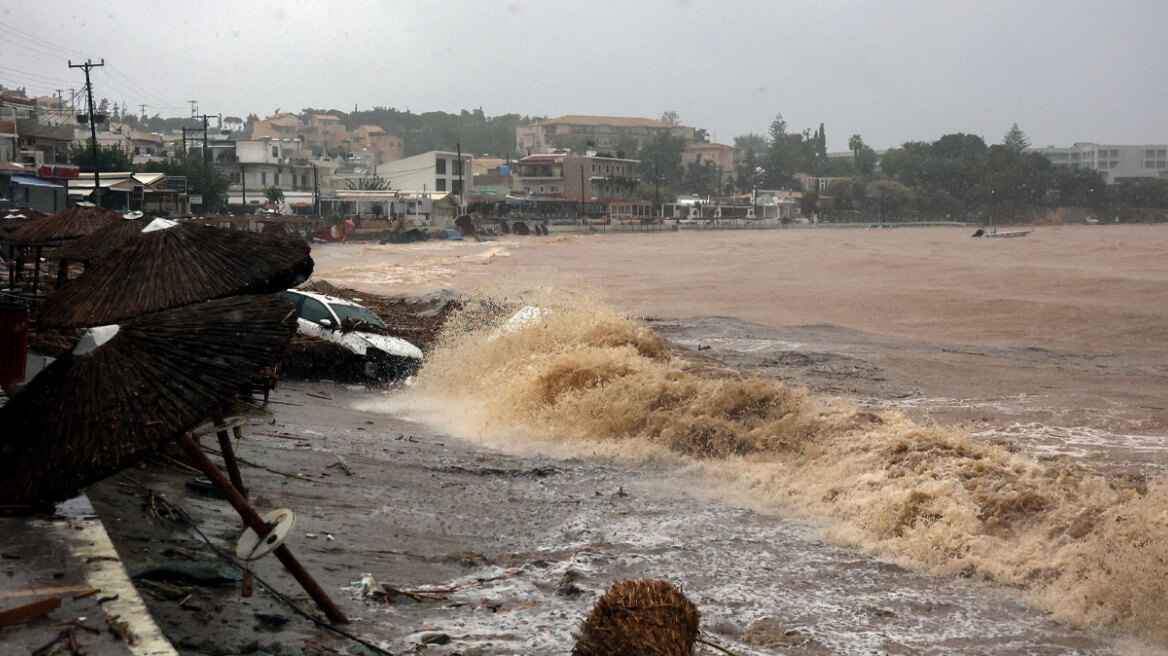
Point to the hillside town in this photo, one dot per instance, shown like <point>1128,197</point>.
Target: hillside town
<point>571,170</point>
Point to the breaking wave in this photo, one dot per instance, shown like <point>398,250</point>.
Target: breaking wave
<point>1087,547</point>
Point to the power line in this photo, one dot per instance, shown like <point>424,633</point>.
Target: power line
<point>16,31</point>
<point>30,46</point>
<point>149,95</point>
<point>46,78</point>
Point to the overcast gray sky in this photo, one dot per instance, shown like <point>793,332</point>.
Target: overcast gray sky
<point>892,71</point>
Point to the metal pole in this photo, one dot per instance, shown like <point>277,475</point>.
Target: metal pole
<point>256,523</point>
<point>582,213</point>
<point>228,454</point>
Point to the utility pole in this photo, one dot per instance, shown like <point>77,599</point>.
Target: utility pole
<point>461,183</point>
<point>206,160</point>
<point>656,188</point>
<point>315,192</point>
<point>142,109</point>
<point>87,66</point>
<point>582,213</point>
<point>194,107</point>
<point>184,150</point>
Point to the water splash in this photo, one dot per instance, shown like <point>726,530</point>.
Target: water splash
<point>586,379</point>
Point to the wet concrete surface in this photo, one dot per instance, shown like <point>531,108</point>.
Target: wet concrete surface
<point>39,560</point>
<point>505,553</point>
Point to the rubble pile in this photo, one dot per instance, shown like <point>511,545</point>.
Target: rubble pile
<point>416,319</point>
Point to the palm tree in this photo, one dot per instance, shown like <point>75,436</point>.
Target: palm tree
<point>368,183</point>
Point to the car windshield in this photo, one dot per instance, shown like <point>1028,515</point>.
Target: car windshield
<point>356,312</point>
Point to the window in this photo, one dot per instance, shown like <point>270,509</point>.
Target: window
<point>275,151</point>
<point>314,310</point>
<point>357,312</point>
<point>264,178</point>
<point>277,179</point>
<point>456,187</point>
<point>440,166</point>
<point>440,184</point>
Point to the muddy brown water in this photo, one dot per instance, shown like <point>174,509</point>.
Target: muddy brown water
<point>1053,343</point>
<point>1058,340</point>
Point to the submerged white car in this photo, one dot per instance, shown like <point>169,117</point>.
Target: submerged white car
<point>384,357</point>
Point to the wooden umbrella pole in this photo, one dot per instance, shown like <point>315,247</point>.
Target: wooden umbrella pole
<point>228,454</point>
<point>253,521</point>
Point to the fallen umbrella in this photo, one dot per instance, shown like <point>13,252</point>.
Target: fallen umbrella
<point>168,265</point>
<point>128,389</point>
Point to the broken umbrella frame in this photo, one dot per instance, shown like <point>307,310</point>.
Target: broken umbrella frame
<point>65,436</point>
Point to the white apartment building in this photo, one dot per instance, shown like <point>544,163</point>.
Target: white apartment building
<point>1117,163</point>
<point>435,171</point>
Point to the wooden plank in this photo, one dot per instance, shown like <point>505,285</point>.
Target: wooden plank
<point>36,592</point>
<point>29,611</point>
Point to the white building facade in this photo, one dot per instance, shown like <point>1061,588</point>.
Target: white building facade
<point>1117,163</point>
<point>434,171</point>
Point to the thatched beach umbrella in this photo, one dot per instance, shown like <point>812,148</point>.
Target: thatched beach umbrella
<point>128,389</point>
<point>170,265</point>
<point>70,223</point>
<point>102,242</point>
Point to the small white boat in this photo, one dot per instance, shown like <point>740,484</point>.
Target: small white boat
<point>981,232</point>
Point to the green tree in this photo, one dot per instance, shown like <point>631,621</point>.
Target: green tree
<point>671,117</point>
<point>110,158</point>
<point>208,182</point>
<point>889,199</point>
<point>855,143</point>
<point>748,170</point>
<point>703,178</point>
<point>1016,139</point>
<point>865,159</point>
<point>274,194</point>
<point>661,156</point>
<point>1080,188</point>
<point>1145,192</point>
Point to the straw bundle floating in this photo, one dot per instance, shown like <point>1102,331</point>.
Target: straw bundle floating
<point>639,618</point>
<point>170,268</point>
<point>102,242</point>
<point>88,415</point>
<point>69,223</point>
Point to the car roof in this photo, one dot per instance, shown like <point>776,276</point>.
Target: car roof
<point>324,298</point>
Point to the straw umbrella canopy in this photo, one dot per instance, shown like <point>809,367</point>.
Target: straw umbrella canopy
<point>69,223</point>
<point>170,265</point>
<point>129,389</point>
<point>102,242</point>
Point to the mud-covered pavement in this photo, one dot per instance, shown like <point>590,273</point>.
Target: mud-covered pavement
<point>505,553</point>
